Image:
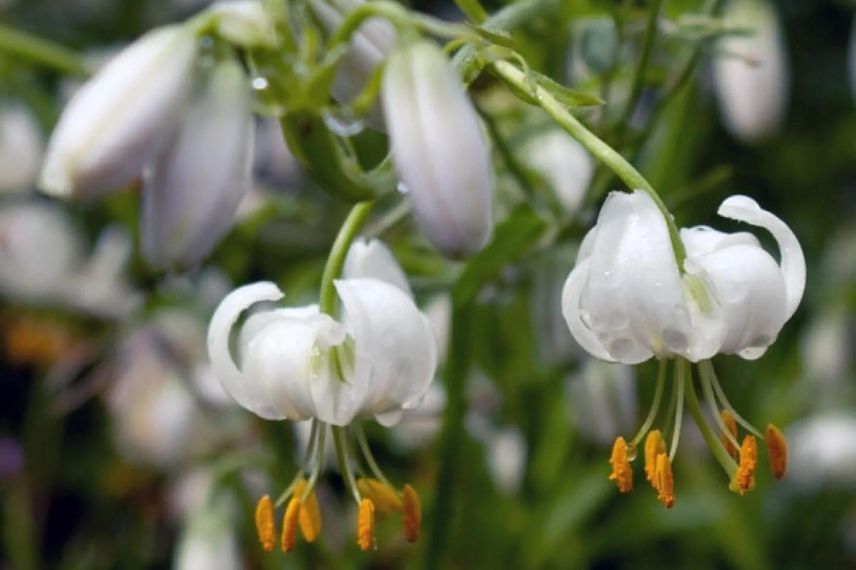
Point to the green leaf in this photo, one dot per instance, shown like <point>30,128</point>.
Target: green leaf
<point>570,98</point>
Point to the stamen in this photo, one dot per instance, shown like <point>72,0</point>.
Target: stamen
<point>731,425</point>
<point>385,498</point>
<point>654,446</point>
<point>665,481</point>
<point>622,473</point>
<point>265,527</point>
<point>744,479</point>
<point>655,403</point>
<point>366,525</point>
<point>777,449</point>
<point>682,369</point>
<point>289,525</point>
<point>411,513</point>
<point>310,518</point>
<point>706,368</point>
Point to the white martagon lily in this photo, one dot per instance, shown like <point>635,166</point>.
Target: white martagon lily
<point>627,300</point>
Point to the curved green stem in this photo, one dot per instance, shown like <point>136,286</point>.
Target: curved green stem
<point>42,51</point>
<point>349,230</point>
<point>602,151</point>
<point>369,457</point>
<point>655,405</point>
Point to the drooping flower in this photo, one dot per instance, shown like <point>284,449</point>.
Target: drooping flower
<point>193,189</point>
<point>627,300</point>
<point>751,77</point>
<point>438,149</point>
<point>117,121</point>
<point>298,363</point>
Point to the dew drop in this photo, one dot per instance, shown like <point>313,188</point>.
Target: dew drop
<point>344,124</point>
<point>260,83</point>
<point>631,452</point>
<point>402,188</point>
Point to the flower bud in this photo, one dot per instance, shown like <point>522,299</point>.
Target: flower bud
<point>751,77</point>
<point>439,150</point>
<point>198,179</point>
<point>21,148</point>
<point>243,22</point>
<point>115,124</point>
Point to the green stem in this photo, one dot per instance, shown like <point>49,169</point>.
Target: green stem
<point>349,230</point>
<point>642,66</point>
<point>681,372</point>
<point>602,151</point>
<point>339,435</point>
<point>42,51</point>
<point>655,405</point>
<point>716,447</point>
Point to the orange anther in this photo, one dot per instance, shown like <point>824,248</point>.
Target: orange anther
<point>777,449</point>
<point>654,446</point>
<point>622,473</point>
<point>665,482</point>
<point>264,523</point>
<point>411,513</point>
<point>385,498</point>
<point>744,478</point>
<point>366,525</point>
<point>289,525</point>
<point>731,424</point>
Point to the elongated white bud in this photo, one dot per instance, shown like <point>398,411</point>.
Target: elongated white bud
<point>752,91</point>
<point>114,125</point>
<point>439,150</point>
<point>193,189</point>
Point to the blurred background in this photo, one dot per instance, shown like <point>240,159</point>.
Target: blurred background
<point>118,448</point>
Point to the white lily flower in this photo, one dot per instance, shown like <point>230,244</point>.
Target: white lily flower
<point>627,301</point>
<point>564,163</point>
<point>298,363</point>
<point>438,149</point>
<point>751,77</point>
<point>193,190</point>
<point>373,259</point>
<point>21,148</point>
<point>370,45</point>
<point>117,121</point>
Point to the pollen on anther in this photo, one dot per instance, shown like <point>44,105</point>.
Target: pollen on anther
<point>731,424</point>
<point>366,525</point>
<point>265,526</point>
<point>385,498</point>
<point>290,522</point>
<point>654,446</point>
<point>665,482</point>
<point>411,513</point>
<point>744,478</point>
<point>777,449</point>
<point>622,473</point>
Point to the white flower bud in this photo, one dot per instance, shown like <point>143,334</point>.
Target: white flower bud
<point>439,150</point>
<point>752,94</point>
<point>565,165</point>
<point>21,148</point>
<point>115,124</point>
<point>196,183</point>
<point>243,22</point>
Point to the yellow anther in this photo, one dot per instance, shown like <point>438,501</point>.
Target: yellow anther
<point>731,424</point>
<point>366,525</point>
<point>744,478</point>
<point>309,517</point>
<point>289,525</point>
<point>622,473</point>
<point>665,482</point>
<point>654,446</point>
<point>385,498</point>
<point>777,449</point>
<point>264,523</point>
<point>411,513</point>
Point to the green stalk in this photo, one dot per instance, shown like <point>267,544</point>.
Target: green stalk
<point>41,51</point>
<point>348,232</point>
<point>602,151</point>
<point>716,447</point>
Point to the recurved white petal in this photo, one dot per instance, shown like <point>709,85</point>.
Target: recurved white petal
<point>574,314</point>
<point>116,122</point>
<point>438,149</point>
<point>394,353</point>
<point>247,391</point>
<point>371,258</point>
<point>193,190</point>
<point>634,296</point>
